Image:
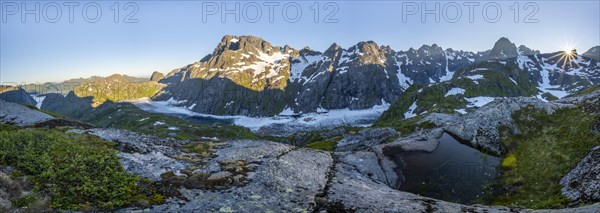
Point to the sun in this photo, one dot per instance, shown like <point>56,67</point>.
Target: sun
<point>568,50</point>
<point>567,55</point>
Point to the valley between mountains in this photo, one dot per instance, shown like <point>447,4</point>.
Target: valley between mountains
<point>255,127</point>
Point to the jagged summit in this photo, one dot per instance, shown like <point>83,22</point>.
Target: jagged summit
<point>593,53</point>
<point>332,50</point>
<point>524,50</point>
<point>243,43</point>
<point>156,76</point>
<point>246,75</point>
<point>503,49</point>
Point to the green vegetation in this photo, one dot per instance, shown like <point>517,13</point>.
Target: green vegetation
<point>117,90</point>
<point>407,126</point>
<point>128,117</point>
<point>509,161</point>
<point>304,138</point>
<point>25,201</point>
<point>78,171</point>
<point>325,140</point>
<point>53,114</point>
<point>585,91</point>
<point>325,145</point>
<point>548,147</point>
<point>548,96</point>
<point>498,81</point>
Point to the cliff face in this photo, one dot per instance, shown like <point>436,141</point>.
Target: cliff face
<point>246,75</point>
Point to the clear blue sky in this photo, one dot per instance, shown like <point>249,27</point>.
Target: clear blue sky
<point>172,34</point>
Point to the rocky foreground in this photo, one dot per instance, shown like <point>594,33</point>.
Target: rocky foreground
<point>258,175</point>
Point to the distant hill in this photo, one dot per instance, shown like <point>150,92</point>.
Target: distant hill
<point>16,95</point>
<point>116,88</point>
<point>69,85</point>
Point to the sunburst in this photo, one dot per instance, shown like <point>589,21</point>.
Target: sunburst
<point>567,55</point>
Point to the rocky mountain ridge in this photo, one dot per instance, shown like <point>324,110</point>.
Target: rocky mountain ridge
<point>246,75</point>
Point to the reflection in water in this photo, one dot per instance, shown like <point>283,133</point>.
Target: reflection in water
<point>453,171</point>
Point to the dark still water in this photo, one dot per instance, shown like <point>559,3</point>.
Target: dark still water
<point>453,171</point>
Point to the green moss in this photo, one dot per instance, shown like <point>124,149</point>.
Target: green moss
<point>77,171</point>
<point>326,145</point>
<point>53,114</point>
<point>200,148</point>
<point>25,200</point>
<point>547,148</point>
<point>510,161</point>
<point>548,96</point>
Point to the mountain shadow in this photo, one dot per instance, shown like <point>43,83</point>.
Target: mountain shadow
<point>222,96</point>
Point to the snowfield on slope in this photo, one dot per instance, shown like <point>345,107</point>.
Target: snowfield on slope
<point>291,123</point>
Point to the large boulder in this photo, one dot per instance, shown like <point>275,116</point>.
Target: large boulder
<point>277,177</point>
<point>365,139</point>
<point>480,127</point>
<point>144,155</point>
<point>12,113</point>
<point>583,182</point>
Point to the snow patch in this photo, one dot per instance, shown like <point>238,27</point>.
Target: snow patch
<point>480,101</point>
<point>545,85</point>
<point>404,80</point>
<point>475,77</point>
<point>287,111</point>
<point>449,74</point>
<point>455,91</point>
<point>321,119</point>
<point>411,111</point>
<point>39,99</point>
<point>461,111</point>
<point>298,68</point>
